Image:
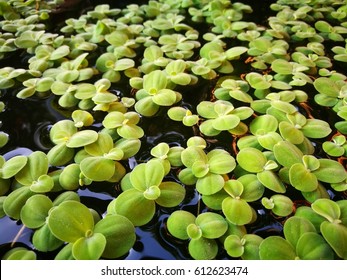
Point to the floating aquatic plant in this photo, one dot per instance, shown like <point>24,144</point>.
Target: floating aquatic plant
<point>184,114</point>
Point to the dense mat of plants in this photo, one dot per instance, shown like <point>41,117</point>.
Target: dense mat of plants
<point>184,112</point>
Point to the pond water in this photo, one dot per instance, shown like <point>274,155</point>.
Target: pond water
<point>28,123</point>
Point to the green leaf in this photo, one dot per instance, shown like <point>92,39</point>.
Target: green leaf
<point>19,253</point>
<point>89,248</point>
<point>130,131</point>
<point>327,208</point>
<point>97,168</point>
<point>295,227</point>
<point>44,240</point>
<point>251,159</point>
<point>310,215</point>
<point>332,149</point>
<point>312,246</point>
<point>134,206</point>
<point>43,184</point>
<point>192,154</point>
<point>237,211</point>
<point>12,166</point>
<point>316,128</point>
<point>70,221</point>
<point>287,154</point>
<point>62,131</point>
<point>60,52</point>
<point>326,86</point>
<point>212,225</point>
<point>35,211</point>
<point>226,122</point>
<point>276,248</point>
<point>343,207</point>
<point>172,194</point>
<point>60,154</point>
<point>214,201</point>
<point>282,66</point>
<point>82,138</point>
<point>15,201</point>
<point>235,52</point>
<point>282,205</point>
<point>123,64</point>
<point>251,246</point>
<point>323,26</point>
<point>302,179</point>
<point>101,146</point>
<point>310,162</point>
<point>252,188</point>
<point>69,177</point>
<point>234,188</point>
<point>146,107</point>
<point>178,222</point>
<point>210,184</point>
<point>220,161</point>
<point>207,128</point>
<point>233,245</point>
<point>290,133</point>
<point>36,166</point>
<point>269,140</point>
<point>119,233</point>
<point>270,180</point>
<point>257,81</point>
<point>336,236</point>
<point>203,249</point>
<point>206,110</point>
<point>263,124</point>
<point>65,253</point>
<point>146,175</point>
<point>154,81</point>
<point>330,171</point>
